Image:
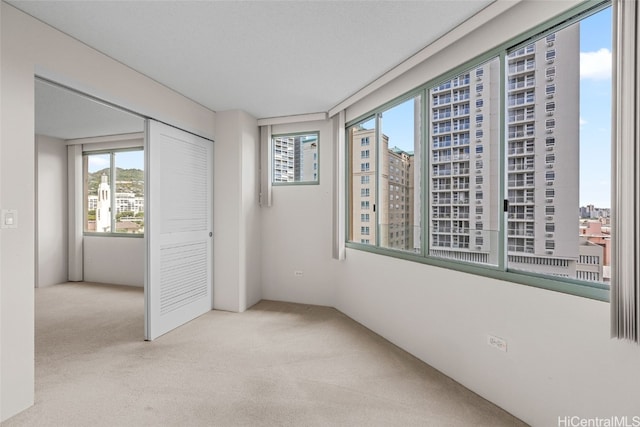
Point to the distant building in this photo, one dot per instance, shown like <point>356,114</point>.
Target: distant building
<point>394,184</point>
<point>103,206</point>
<point>590,211</point>
<point>594,234</point>
<point>542,120</point>
<point>125,202</point>
<point>295,158</point>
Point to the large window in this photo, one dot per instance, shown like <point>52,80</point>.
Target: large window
<point>295,158</point>
<point>390,177</point>
<point>109,208</point>
<point>463,185</point>
<point>516,153</point>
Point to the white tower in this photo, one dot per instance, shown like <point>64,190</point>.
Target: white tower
<point>103,210</point>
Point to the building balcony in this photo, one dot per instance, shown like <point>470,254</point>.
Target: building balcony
<point>520,167</point>
<point>441,201</point>
<point>520,217</point>
<point>461,171</point>
<point>521,134</point>
<point>441,159</point>
<point>521,85</point>
<point>520,151</point>
<point>442,116</point>
<point>460,230</point>
<point>442,129</point>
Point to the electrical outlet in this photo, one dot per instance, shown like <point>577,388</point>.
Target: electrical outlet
<point>497,342</point>
<point>297,273</point>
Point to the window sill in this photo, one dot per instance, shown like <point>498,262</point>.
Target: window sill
<point>595,291</point>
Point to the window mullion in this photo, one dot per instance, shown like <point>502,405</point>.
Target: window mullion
<point>378,166</point>
<point>112,178</point>
<point>426,167</point>
<point>502,174</point>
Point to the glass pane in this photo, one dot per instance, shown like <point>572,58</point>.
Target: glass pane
<point>362,219</point>
<point>399,179</point>
<point>295,158</point>
<point>129,191</point>
<point>464,148</point>
<point>98,193</point>
<point>558,152</point>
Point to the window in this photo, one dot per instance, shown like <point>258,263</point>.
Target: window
<point>364,154</point>
<point>550,89</point>
<point>364,217</point>
<point>113,209</point>
<point>295,158</point>
<point>364,141</point>
<point>550,107</point>
<point>395,178</point>
<point>555,134</point>
<point>550,55</point>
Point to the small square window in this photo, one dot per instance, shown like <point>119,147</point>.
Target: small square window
<point>295,158</point>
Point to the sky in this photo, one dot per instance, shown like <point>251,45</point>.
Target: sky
<point>595,112</point>
<point>124,160</point>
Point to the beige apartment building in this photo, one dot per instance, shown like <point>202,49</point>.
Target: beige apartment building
<point>542,118</point>
<point>394,185</point>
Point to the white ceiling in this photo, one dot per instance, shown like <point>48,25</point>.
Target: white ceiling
<point>269,58</point>
<point>64,114</point>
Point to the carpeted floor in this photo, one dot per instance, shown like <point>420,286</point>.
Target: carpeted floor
<point>278,364</point>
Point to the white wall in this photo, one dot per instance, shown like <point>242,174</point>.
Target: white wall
<point>237,237</point>
<point>560,359</point>
<point>52,236</point>
<point>297,231</point>
<point>29,46</point>
<point>115,260</point>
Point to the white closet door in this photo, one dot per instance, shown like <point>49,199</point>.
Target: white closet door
<point>178,228</point>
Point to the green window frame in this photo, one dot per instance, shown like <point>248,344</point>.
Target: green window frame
<point>295,158</point>
<point>501,271</point>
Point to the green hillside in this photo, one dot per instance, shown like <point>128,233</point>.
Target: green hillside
<point>127,181</point>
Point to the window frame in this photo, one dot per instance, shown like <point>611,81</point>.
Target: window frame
<point>316,160</point>
<point>112,178</point>
<point>571,286</point>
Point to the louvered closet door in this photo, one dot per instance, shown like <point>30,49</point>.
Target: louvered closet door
<point>178,227</point>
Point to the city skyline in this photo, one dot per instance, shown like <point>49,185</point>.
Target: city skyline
<point>595,113</point>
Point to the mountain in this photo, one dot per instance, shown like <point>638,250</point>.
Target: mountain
<point>127,181</point>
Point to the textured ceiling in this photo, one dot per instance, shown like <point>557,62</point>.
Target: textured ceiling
<point>63,114</point>
<point>269,58</point>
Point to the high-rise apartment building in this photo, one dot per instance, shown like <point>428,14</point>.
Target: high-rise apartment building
<point>542,134</point>
<point>391,180</point>
<point>464,156</point>
<point>295,158</point>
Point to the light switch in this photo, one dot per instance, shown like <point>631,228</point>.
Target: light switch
<point>9,218</point>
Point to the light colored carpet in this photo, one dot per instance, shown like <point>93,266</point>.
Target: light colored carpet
<point>278,364</point>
